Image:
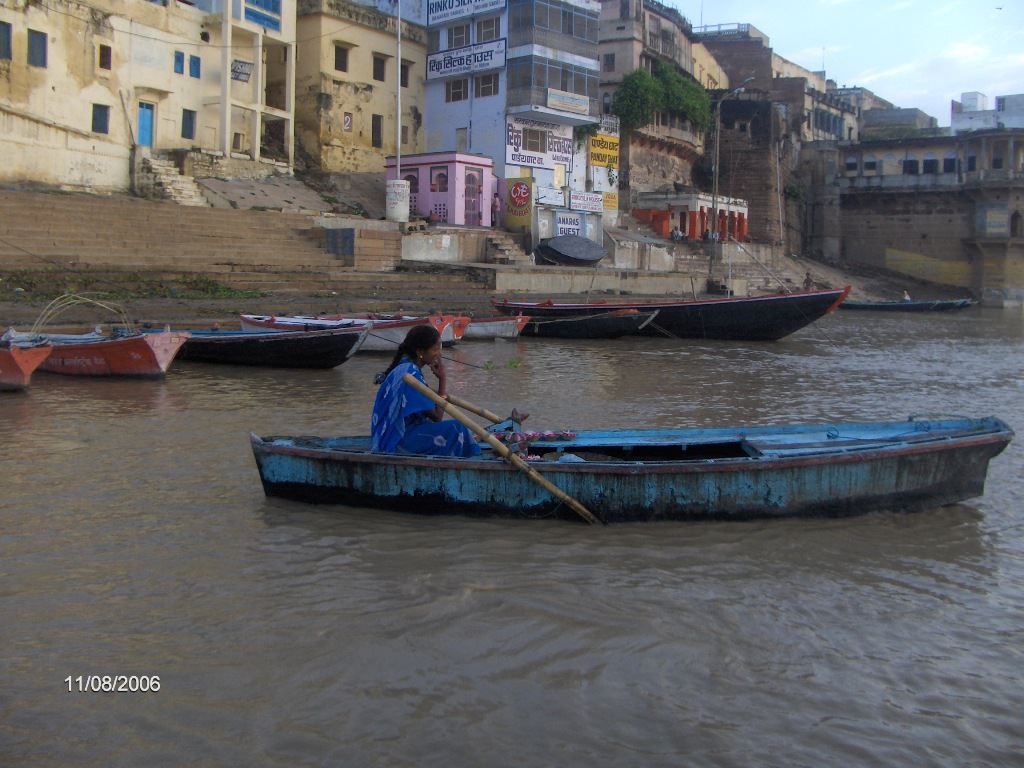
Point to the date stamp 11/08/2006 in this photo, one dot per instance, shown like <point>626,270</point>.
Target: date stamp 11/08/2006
<point>113,683</point>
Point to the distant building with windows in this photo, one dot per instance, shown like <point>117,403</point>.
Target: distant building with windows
<point>971,113</point>
<point>90,86</point>
<point>346,79</point>
<point>510,81</point>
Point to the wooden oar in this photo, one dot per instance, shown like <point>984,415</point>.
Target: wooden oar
<point>477,409</point>
<point>501,449</point>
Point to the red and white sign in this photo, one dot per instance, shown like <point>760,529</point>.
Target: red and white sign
<point>520,194</point>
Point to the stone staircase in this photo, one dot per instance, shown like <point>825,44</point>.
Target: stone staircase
<point>160,179</point>
<point>502,248</point>
<point>86,242</point>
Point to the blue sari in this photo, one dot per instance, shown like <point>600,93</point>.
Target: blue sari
<point>400,423</point>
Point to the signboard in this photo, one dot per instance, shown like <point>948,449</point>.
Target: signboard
<point>993,220</point>
<point>558,147</point>
<point>604,151</point>
<point>611,201</point>
<point>568,102</point>
<point>568,223</point>
<point>518,204</point>
<point>550,196</point>
<point>346,122</point>
<point>241,70</point>
<point>610,124</point>
<point>466,60</point>
<point>443,11</point>
<point>586,201</point>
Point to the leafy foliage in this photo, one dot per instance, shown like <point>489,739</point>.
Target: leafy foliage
<point>636,100</point>
<point>641,95</point>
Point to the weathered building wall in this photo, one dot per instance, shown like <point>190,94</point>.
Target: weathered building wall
<point>335,107</point>
<point>917,233</point>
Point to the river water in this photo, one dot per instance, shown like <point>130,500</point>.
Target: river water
<point>135,539</point>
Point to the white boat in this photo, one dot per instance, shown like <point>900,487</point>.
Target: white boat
<point>387,332</point>
<point>500,327</point>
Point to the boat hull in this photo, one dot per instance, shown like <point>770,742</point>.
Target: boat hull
<point>495,327</point>
<point>723,474</point>
<point>385,336</point>
<point>758,318</point>
<point>277,349</point>
<point>596,325</point>
<point>17,364</point>
<point>146,355</point>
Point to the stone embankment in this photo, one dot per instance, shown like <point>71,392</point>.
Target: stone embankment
<point>190,266</point>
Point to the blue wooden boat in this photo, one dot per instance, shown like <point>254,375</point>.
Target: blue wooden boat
<point>642,475</point>
<point>324,348</point>
<point>939,305</point>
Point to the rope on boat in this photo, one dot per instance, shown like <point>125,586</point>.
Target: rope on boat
<point>65,301</point>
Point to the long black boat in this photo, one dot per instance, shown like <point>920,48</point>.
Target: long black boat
<point>937,305</point>
<point>277,349</point>
<point>755,318</point>
<point>597,324</point>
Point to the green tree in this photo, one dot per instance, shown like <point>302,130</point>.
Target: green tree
<point>636,100</point>
<point>683,96</point>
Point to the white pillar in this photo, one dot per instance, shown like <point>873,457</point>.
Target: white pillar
<point>225,81</point>
<point>259,76</point>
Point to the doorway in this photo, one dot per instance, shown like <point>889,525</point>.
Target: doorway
<point>146,113</point>
<point>474,190</point>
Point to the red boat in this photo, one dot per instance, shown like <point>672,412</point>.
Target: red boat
<point>147,355</point>
<point>17,363</point>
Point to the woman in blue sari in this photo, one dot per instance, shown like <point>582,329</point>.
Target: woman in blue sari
<point>407,421</point>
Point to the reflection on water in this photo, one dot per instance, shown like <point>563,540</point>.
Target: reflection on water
<point>135,539</point>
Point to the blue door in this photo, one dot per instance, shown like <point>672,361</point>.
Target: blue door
<point>145,124</point>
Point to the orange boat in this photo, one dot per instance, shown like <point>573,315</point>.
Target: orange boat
<point>92,354</point>
<point>17,364</point>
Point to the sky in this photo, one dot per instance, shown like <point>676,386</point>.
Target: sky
<point>913,53</point>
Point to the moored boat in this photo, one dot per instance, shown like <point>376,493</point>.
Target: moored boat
<point>325,348</point>
<point>753,318</point>
<point>144,355</point>
<point>570,251</point>
<point>499,327</point>
<point>644,475</point>
<point>19,361</point>
<point>597,324</point>
<point>939,305</point>
<point>387,333</point>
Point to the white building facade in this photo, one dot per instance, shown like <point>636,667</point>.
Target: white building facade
<point>511,79</point>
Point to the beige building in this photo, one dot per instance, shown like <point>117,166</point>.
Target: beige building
<point>346,82</point>
<point>88,87</point>
<point>634,35</point>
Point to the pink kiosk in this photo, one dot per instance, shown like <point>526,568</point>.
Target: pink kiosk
<point>449,187</point>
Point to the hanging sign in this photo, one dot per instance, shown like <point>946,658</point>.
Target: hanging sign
<point>241,70</point>
<point>604,151</point>
<point>555,143</point>
<point>441,11</point>
<point>464,61</point>
<point>518,204</point>
<point>568,223</point>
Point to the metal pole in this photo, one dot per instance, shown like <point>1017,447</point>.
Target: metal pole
<point>398,90</point>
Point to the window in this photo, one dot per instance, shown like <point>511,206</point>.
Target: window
<point>870,164</point>
<point>485,85</point>
<point>949,163</point>
<point>106,57</point>
<point>458,36</point>
<point>100,118</point>
<point>851,163</point>
<point>194,65</point>
<point>414,182</point>
<point>972,162</point>
<point>5,40</point>
<point>456,90</point>
<point>404,74</point>
<point>377,131</point>
<point>608,62</point>
<point>379,67</point>
<point>439,178</point>
<point>188,124</point>
<point>534,140</point>
<point>606,104</point>
<point>36,49</point>
<point>405,134</point>
<point>179,63</point>
<point>488,29</point>
<point>930,164</point>
<point>910,166</point>
<point>341,58</point>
